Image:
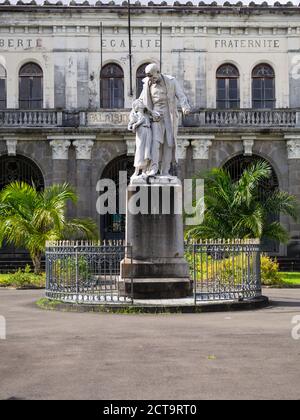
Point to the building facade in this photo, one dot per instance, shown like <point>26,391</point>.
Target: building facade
<point>66,86</point>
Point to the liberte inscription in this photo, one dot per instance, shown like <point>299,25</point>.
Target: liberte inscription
<point>24,43</point>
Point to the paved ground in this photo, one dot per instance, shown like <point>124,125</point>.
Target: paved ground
<point>53,355</point>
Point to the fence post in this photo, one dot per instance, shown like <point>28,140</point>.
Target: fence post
<point>76,272</point>
<point>258,269</point>
<point>194,273</point>
<point>131,273</point>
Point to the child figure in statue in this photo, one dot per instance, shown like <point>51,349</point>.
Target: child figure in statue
<point>139,123</point>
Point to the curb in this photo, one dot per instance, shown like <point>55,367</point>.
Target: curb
<point>257,303</point>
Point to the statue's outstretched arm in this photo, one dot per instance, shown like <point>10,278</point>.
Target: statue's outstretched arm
<point>183,101</point>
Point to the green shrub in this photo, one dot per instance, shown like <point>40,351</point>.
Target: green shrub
<point>25,278</point>
<point>207,269</point>
<point>270,271</point>
<point>4,282</point>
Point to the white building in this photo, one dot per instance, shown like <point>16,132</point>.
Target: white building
<point>65,91</point>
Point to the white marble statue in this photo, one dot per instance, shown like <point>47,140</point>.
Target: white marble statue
<point>139,123</point>
<point>160,95</point>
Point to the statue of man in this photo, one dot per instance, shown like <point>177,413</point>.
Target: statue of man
<point>160,94</point>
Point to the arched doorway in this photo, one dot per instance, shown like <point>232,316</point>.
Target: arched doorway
<point>112,226</point>
<point>17,168</point>
<point>236,167</point>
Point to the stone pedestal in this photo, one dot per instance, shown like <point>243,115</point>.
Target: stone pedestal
<point>154,229</point>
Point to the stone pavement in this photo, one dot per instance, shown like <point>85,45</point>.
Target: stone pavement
<point>57,355</point>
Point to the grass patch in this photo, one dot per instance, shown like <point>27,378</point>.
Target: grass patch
<point>291,278</point>
<point>45,303</point>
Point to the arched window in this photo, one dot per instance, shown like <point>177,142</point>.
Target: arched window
<point>31,87</point>
<point>2,87</point>
<point>140,75</point>
<point>228,95</point>
<point>112,87</point>
<point>263,87</point>
<point>20,168</point>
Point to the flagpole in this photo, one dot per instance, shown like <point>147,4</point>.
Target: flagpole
<point>101,45</point>
<point>160,45</point>
<point>129,47</point>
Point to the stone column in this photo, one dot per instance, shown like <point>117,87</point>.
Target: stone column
<point>201,145</point>
<point>182,145</point>
<point>60,155</point>
<point>83,146</point>
<point>293,154</point>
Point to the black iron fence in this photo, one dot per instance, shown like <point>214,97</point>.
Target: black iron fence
<point>88,272</point>
<point>225,269</point>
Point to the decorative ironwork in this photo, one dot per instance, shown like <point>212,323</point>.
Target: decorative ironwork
<point>225,270</point>
<point>20,168</point>
<point>227,71</point>
<point>86,272</point>
<point>263,70</point>
<point>113,225</point>
<point>112,86</point>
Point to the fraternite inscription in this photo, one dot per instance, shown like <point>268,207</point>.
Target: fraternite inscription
<point>247,43</point>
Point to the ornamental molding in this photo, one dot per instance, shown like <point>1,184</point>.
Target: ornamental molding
<point>130,143</point>
<point>60,149</point>
<point>182,144</point>
<point>201,146</point>
<point>11,145</point>
<point>293,146</point>
<point>83,148</point>
<point>248,143</point>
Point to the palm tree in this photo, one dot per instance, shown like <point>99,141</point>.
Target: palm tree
<point>29,218</point>
<point>236,209</point>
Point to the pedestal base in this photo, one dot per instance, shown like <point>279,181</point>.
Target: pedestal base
<point>154,229</point>
<point>158,288</point>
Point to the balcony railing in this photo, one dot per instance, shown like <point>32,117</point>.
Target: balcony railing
<point>249,117</point>
<point>32,118</point>
<point>118,118</point>
<point>205,118</point>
